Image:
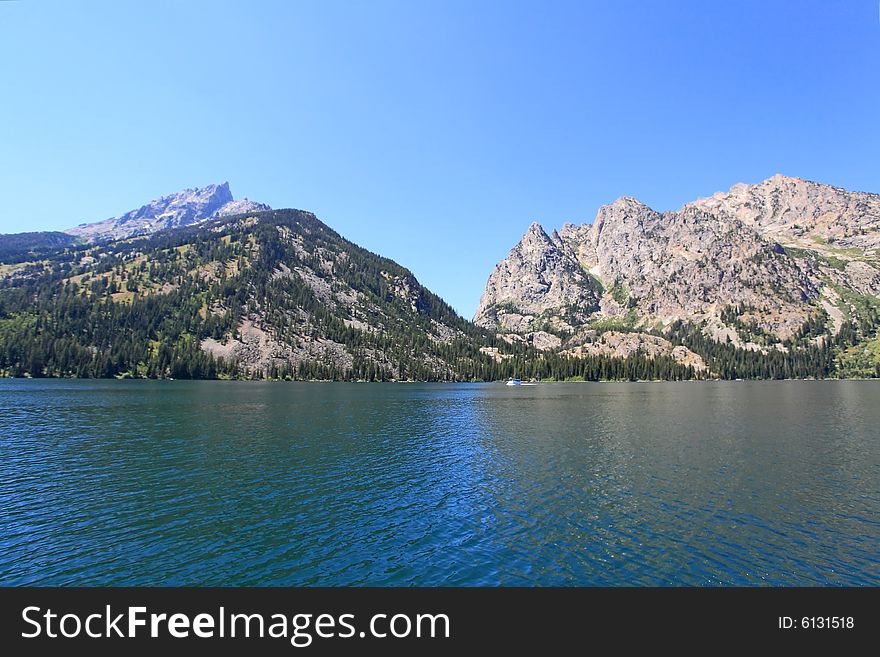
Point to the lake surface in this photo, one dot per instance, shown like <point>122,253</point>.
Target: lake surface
<point>237,483</point>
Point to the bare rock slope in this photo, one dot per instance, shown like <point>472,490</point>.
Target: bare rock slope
<point>752,267</point>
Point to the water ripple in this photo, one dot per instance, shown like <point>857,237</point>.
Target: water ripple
<point>178,483</point>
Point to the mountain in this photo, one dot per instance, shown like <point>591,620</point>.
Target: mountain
<point>783,269</point>
<point>268,294</point>
<point>184,208</point>
<point>775,280</point>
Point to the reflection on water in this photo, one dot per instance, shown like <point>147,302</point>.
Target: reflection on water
<point>212,483</point>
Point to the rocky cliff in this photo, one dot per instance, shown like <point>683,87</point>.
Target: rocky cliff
<point>752,267</point>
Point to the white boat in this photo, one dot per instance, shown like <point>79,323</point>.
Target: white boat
<point>514,382</point>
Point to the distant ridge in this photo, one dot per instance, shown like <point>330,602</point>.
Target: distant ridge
<point>183,208</point>
<point>17,244</point>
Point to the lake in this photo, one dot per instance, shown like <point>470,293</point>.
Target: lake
<point>240,483</point>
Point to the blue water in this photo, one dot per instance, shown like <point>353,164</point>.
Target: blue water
<point>239,483</point>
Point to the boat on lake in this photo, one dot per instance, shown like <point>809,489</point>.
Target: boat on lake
<point>514,382</point>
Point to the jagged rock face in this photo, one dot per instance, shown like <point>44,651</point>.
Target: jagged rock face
<point>726,251</point>
<point>788,209</point>
<point>184,208</point>
<point>676,265</point>
<point>541,278</point>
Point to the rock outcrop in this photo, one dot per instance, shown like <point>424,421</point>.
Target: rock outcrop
<point>541,281</point>
<point>796,210</point>
<point>759,255</point>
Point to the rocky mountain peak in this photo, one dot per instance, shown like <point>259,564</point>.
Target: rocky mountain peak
<point>540,269</point>
<point>768,256</point>
<point>623,213</point>
<point>184,208</point>
<point>536,232</point>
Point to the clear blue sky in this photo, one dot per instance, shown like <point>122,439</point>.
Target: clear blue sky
<point>430,132</point>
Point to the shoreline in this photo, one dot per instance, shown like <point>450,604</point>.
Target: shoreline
<point>448,382</point>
